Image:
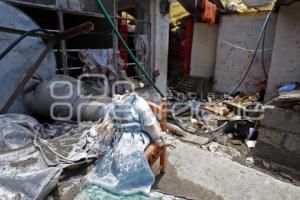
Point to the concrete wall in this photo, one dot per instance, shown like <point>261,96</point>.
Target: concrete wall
<point>160,44</point>
<point>279,134</point>
<point>204,50</point>
<point>238,34</point>
<point>285,65</point>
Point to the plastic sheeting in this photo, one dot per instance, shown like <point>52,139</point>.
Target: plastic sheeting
<point>124,170</point>
<point>69,149</point>
<point>31,166</point>
<point>24,174</point>
<point>17,131</point>
<point>133,108</point>
<point>29,172</point>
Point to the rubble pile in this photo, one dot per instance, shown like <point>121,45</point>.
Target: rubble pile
<point>226,124</point>
<point>32,159</point>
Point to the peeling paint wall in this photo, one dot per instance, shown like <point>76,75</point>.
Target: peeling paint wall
<point>238,36</point>
<point>285,65</point>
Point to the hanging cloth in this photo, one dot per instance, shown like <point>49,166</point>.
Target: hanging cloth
<point>210,12</point>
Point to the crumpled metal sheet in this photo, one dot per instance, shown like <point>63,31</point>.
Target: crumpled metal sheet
<point>25,175</point>
<point>17,131</point>
<point>29,172</point>
<point>69,149</point>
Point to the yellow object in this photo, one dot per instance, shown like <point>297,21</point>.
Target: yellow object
<point>177,12</point>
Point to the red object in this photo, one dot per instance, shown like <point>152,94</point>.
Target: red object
<point>187,47</point>
<point>210,12</point>
<point>123,31</point>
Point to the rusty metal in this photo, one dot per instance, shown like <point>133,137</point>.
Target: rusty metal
<point>68,34</point>
<point>74,32</point>
<point>21,32</point>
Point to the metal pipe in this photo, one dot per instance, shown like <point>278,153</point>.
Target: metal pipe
<point>21,32</point>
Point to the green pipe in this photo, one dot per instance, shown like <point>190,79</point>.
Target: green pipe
<point>115,30</point>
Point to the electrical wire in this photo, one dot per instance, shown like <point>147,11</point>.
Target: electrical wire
<point>18,40</point>
<point>201,132</point>
<point>255,52</point>
<point>263,51</point>
<point>244,48</point>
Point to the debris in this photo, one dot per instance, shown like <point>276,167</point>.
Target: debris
<point>121,140</point>
<point>17,131</point>
<point>286,176</point>
<point>266,164</point>
<point>251,143</point>
<point>236,142</point>
<point>176,130</point>
<point>230,136</point>
<point>296,108</point>
<point>213,147</point>
<point>25,173</point>
<point>288,87</point>
<point>217,109</point>
<point>232,7</point>
<point>191,95</point>
<point>250,162</point>
<point>251,133</point>
<point>229,152</point>
<point>240,6</point>
<point>223,140</point>
<point>193,120</point>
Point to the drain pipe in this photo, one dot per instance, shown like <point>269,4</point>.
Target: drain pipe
<point>115,30</point>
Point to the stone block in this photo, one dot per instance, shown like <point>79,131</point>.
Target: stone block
<point>292,143</point>
<point>277,155</point>
<point>282,119</point>
<point>270,136</point>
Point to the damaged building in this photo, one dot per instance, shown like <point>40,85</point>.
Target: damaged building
<point>149,99</point>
